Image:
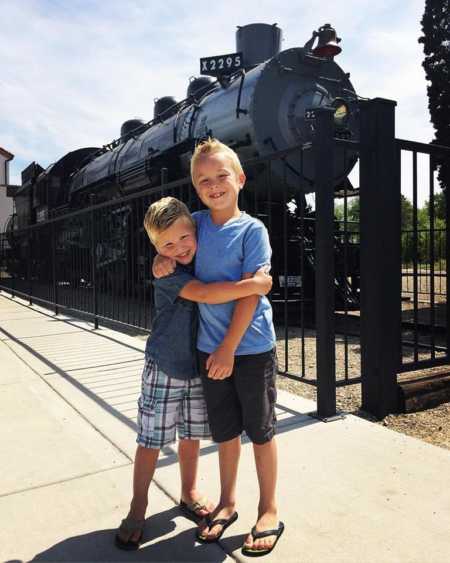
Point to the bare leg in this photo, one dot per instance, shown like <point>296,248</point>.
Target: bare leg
<point>229,453</point>
<point>266,469</point>
<point>144,467</point>
<point>188,452</point>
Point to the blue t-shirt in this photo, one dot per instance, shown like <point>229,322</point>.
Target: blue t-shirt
<point>225,253</point>
<point>172,341</point>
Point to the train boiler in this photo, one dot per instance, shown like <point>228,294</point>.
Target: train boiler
<point>262,101</point>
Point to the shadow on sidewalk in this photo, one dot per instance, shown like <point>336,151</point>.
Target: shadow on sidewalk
<point>291,419</point>
<point>99,545</point>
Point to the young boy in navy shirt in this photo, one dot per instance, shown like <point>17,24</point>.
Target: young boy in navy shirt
<point>236,343</point>
<point>172,396</point>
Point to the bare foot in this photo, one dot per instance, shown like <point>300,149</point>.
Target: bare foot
<point>220,512</point>
<point>267,521</point>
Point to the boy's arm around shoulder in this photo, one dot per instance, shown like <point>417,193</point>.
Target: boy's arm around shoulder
<point>215,292</point>
<point>223,292</point>
<point>181,283</point>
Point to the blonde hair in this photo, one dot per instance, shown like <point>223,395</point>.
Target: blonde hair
<point>162,214</point>
<point>213,146</point>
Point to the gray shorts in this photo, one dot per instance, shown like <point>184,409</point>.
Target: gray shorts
<point>167,406</point>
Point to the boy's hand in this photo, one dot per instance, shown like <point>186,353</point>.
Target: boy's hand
<point>264,280</point>
<point>163,266</point>
<point>220,363</point>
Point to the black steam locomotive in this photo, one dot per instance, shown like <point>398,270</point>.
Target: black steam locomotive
<point>258,100</point>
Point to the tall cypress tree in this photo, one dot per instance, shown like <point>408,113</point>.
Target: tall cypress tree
<point>436,47</point>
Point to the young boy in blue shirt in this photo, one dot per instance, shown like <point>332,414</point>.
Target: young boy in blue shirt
<point>172,396</point>
<point>236,343</point>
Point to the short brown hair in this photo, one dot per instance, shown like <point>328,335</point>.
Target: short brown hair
<point>162,214</point>
<point>212,146</point>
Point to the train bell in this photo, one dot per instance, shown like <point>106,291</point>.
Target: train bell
<point>327,45</point>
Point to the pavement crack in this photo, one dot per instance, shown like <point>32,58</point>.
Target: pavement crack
<point>61,481</point>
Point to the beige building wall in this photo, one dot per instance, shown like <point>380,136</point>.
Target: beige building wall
<point>6,203</point>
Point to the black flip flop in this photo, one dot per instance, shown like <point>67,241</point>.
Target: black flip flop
<point>224,522</point>
<point>249,552</point>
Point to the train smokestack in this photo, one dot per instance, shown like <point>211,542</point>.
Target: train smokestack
<point>258,42</point>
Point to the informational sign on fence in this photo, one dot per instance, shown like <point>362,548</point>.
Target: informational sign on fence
<point>292,281</point>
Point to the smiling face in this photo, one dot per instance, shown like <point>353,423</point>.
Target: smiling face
<point>218,184</point>
<point>177,241</point>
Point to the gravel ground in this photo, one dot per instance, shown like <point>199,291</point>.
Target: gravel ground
<point>431,425</point>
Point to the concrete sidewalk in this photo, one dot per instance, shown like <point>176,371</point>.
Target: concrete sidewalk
<point>349,490</point>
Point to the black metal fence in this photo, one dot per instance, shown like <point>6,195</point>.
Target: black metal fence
<point>338,282</point>
<point>425,257</point>
<point>96,262</point>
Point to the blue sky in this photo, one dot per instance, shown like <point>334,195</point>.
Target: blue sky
<point>73,70</point>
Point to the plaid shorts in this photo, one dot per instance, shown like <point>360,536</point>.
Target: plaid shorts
<point>168,405</point>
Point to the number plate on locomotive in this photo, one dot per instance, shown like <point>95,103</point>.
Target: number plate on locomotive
<point>222,64</point>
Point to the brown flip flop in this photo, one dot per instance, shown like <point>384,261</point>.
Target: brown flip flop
<point>189,509</point>
<point>130,525</point>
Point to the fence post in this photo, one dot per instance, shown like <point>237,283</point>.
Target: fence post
<point>446,192</point>
<point>380,225</point>
<point>93,261</point>
<point>30,266</point>
<point>55,282</point>
<point>14,263</point>
<point>3,261</point>
<point>324,260</point>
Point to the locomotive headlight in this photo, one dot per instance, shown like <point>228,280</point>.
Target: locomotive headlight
<point>341,112</point>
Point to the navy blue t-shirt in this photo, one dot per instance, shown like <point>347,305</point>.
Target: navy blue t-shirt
<point>174,332</point>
